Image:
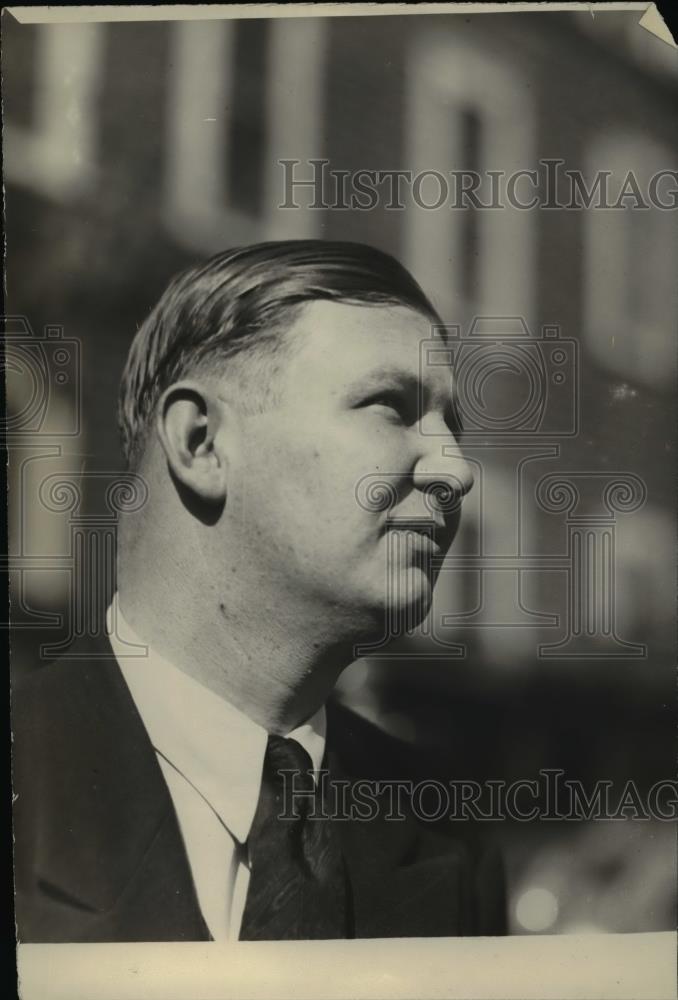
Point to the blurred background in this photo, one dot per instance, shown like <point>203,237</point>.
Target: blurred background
<point>131,150</point>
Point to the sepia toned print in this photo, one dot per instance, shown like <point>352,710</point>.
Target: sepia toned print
<point>340,409</point>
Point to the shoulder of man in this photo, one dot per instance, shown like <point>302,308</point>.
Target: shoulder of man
<point>84,775</point>
<point>60,708</point>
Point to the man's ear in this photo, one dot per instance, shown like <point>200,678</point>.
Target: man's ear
<point>189,417</point>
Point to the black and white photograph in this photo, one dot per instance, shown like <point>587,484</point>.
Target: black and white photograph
<point>340,356</point>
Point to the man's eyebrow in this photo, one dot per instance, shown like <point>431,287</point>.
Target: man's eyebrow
<point>378,377</point>
<point>389,373</point>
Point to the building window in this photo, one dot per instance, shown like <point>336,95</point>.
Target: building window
<point>469,111</point>
<point>629,265</point>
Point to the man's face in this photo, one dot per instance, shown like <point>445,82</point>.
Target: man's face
<point>356,424</point>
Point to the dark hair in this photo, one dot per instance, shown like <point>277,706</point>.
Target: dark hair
<point>242,300</point>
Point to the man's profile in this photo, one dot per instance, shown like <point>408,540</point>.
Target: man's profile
<point>266,385</point>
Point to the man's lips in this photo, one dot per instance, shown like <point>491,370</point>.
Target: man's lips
<point>426,527</point>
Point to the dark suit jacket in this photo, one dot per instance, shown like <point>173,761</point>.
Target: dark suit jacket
<point>98,851</point>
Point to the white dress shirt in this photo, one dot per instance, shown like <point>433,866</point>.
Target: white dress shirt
<point>211,756</point>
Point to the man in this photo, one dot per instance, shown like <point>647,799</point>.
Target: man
<point>270,402</point>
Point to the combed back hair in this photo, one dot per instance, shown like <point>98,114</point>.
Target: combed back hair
<point>232,311</point>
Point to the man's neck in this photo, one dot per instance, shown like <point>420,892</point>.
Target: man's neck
<point>278,673</point>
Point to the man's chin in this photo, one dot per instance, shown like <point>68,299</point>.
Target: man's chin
<point>410,615</point>
<point>375,609</point>
<point>407,601</point>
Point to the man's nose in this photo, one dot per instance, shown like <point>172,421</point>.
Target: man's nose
<point>444,470</point>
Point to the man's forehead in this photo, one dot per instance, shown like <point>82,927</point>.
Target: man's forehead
<point>380,318</point>
<point>362,337</point>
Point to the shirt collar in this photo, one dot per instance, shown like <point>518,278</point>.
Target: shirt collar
<point>214,745</point>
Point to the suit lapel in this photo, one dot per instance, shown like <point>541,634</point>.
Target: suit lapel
<point>109,860</point>
<point>405,880</point>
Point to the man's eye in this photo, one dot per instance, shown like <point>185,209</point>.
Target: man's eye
<point>393,403</point>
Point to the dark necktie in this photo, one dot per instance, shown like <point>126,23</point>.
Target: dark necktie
<point>297,888</point>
